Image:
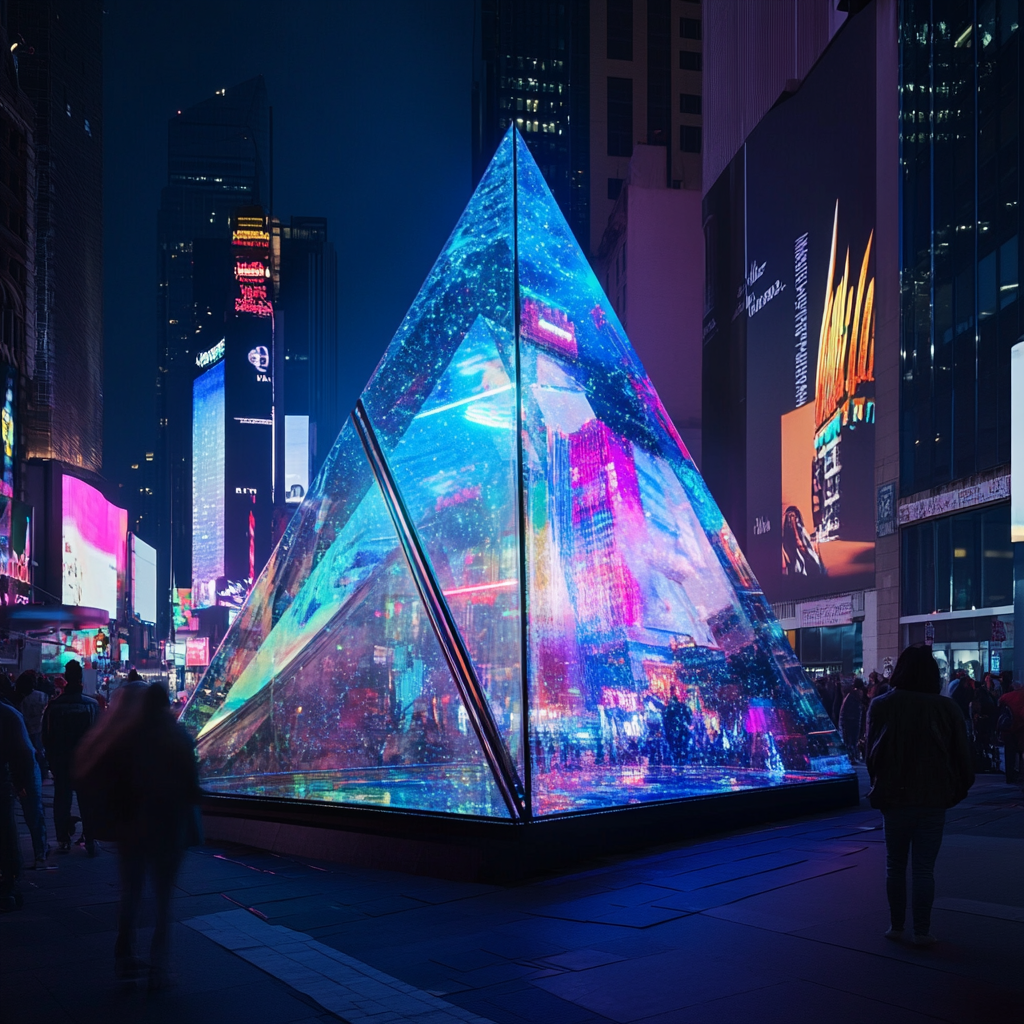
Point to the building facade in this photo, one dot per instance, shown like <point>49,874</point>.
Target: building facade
<point>651,265</point>
<point>801,320</point>
<point>960,130</point>
<point>17,321</point>
<point>60,69</point>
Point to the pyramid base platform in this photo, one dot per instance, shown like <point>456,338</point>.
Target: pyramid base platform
<point>475,849</point>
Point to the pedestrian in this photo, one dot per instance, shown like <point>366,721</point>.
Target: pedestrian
<point>920,764</point>
<point>31,705</point>
<point>139,768</point>
<point>1010,731</point>
<point>7,693</point>
<point>18,773</point>
<point>850,715</point>
<point>66,720</point>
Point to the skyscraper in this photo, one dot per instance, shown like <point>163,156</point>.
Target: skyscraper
<point>584,82</point>
<point>306,326</point>
<point>218,160</point>
<point>60,68</point>
<point>531,69</point>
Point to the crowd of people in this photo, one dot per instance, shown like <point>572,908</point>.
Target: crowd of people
<point>992,709</point>
<point>133,769</point>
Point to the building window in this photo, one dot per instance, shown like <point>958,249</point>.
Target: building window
<point>958,563</point>
<point>689,28</point>
<point>689,103</point>
<point>614,188</point>
<point>689,60</point>
<point>689,138</point>
<point>620,116</point>
<point>620,29</point>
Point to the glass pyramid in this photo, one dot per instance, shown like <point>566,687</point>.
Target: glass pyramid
<point>509,592</point>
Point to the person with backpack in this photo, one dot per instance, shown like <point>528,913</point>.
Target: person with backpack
<point>920,765</point>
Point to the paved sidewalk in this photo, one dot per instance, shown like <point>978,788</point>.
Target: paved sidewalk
<point>777,923</point>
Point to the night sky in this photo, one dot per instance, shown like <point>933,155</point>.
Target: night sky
<point>371,129</point>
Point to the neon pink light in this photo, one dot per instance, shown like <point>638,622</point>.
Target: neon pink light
<point>95,553</point>
<point>255,271</point>
<point>477,587</point>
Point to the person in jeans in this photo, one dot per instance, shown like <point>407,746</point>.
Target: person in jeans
<point>920,764</point>
<point>66,720</point>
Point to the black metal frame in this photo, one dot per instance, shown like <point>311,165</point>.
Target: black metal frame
<point>502,767</point>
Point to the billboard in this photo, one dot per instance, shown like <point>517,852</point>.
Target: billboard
<point>1017,443</point>
<point>208,432</point>
<point>197,651</point>
<point>143,580</point>
<point>94,536</point>
<point>809,304</point>
<point>296,458</point>
<point>181,607</point>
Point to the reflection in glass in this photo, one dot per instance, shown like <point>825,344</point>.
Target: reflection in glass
<point>654,668</point>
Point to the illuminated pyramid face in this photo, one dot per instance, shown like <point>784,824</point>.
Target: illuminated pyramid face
<point>509,592</point>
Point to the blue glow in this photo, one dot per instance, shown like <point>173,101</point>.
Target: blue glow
<point>655,669</point>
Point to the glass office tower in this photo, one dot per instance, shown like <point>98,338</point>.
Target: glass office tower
<point>960,126</point>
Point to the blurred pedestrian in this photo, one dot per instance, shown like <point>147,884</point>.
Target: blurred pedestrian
<point>66,720</point>
<point>920,764</point>
<point>850,719</point>
<point>31,705</point>
<point>140,771</point>
<point>1010,731</point>
<point>18,774</point>
<point>7,692</point>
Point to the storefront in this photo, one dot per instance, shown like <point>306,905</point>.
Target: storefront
<point>957,589</point>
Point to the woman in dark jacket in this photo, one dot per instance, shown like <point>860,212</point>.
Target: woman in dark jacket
<point>920,764</point>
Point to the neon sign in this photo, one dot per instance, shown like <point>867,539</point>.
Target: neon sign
<point>211,355</point>
<point>252,270</point>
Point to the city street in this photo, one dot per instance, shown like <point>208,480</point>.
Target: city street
<point>779,923</point>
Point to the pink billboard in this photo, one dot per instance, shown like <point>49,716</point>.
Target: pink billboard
<point>95,554</point>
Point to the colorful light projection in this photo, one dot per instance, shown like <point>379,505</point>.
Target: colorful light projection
<point>509,482</point>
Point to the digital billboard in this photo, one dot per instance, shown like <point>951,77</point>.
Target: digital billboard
<point>207,484</point>
<point>181,607</point>
<point>809,297</point>
<point>143,580</point>
<point>296,458</point>
<point>8,380</point>
<point>197,651</point>
<point>94,540</point>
